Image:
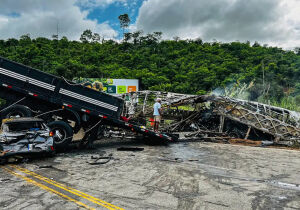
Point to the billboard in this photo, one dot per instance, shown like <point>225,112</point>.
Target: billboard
<point>111,86</point>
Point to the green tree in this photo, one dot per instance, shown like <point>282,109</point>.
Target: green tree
<point>124,22</point>
<point>96,37</point>
<point>184,66</point>
<point>86,36</point>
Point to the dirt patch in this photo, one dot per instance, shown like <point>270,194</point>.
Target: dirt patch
<point>245,142</point>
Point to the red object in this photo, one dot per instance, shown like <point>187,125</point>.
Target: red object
<point>152,121</point>
<point>88,111</point>
<point>35,95</point>
<point>9,86</point>
<point>104,117</point>
<point>52,148</point>
<point>69,105</point>
<point>124,118</point>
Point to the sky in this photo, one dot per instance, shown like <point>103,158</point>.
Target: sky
<point>272,22</point>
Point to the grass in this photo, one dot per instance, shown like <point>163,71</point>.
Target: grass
<point>288,102</point>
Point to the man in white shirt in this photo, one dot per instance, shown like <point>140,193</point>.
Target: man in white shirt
<point>157,114</point>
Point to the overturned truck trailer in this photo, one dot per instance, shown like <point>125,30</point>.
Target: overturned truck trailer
<point>209,116</point>
<point>67,108</point>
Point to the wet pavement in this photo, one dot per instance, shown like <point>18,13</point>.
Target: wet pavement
<point>178,176</point>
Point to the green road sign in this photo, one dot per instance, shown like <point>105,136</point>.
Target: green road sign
<point>121,89</point>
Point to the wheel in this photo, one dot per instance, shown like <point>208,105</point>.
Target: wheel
<point>16,111</point>
<point>62,133</point>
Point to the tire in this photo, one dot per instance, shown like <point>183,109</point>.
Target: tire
<point>16,111</point>
<point>62,133</point>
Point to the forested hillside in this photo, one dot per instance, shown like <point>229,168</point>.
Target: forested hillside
<point>184,66</point>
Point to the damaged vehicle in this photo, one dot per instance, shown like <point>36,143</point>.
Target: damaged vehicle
<point>217,118</point>
<point>21,137</point>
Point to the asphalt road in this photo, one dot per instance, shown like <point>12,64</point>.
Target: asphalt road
<point>178,176</point>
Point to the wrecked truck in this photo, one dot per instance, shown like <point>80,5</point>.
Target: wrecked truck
<point>66,107</point>
<point>25,136</point>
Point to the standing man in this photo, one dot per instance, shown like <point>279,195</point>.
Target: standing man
<point>157,114</point>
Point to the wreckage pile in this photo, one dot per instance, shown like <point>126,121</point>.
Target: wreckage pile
<point>209,117</point>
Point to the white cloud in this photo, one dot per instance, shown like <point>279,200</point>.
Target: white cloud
<point>275,22</point>
<point>99,3</point>
<point>40,18</point>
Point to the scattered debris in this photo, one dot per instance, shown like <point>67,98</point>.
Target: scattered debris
<point>97,162</point>
<point>175,160</point>
<point>217,119</point>
<point>46,166</point>
<point>267,143</point>
<point>131,149</point>
<point>4,180</point>
<point>193,160</point>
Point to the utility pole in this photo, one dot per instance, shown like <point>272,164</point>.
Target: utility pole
<point>55,36</point>
<point>263,69</point>
<point>57,29</point>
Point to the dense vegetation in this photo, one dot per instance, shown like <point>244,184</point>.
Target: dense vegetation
<point>184,66</point>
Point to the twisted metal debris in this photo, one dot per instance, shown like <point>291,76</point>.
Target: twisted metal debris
<point>216,117</point>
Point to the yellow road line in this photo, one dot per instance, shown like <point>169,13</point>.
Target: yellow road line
<point>46,188</point>
<point>69,189</point>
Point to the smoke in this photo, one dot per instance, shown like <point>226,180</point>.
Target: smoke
<point>218,92</point>
<point>235,90</point>
<point>258,92</point>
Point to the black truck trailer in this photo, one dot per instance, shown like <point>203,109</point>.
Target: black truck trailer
<point>29,92</point>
